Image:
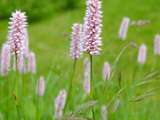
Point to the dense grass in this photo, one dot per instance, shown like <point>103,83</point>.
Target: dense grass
<point>50,39</point>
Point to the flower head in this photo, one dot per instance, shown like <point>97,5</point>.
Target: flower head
<point>60,103</point>
<point>21,64</point>
<point>16,35</point>
<point>87,71</point>
<point>41,86</point>
<point>142,55</point>
<point>76,49</point>
<point>5,59</point>
<point>31,62</point>
<point>26,44</point>
<point>157,45</point>
<point>92,28</point>
<point>106,71</point>
<point>124,28</point>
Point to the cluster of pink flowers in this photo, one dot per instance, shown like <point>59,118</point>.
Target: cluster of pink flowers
<point>17,29</point>
<point>18,46</point>
<point>106,71</point>
<point>76,47</point>
<point>87,84</point>
<point>5,59</point>
<point>157,45</point>
<point>142,54</point>
<point>41,86</point>
<point>60,104</point>
<point>92,27</point>
<point>124,28</point>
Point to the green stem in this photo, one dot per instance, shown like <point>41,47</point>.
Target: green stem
<point>71,84</point>
<point>8,95</point>
<point>38,108</point>
<point>18,107</point>
<point>91,85</point>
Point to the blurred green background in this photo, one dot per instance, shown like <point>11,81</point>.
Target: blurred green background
<point>49,29</point>
<point>50,24</point>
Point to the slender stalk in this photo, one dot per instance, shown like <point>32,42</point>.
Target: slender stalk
<point>91,84</point>
<point>38,108</point>
<point>71,85</point>
<point>18,107</point>
<point>17,102</point>
<point>8,95</point>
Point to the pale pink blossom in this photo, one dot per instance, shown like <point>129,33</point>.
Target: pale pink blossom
<point>157,45</point>
<point>26,44</point>
<point>106,71</point>
<point>142,54</point>
<point>124,28</point>
<point>76,46</point>
<point>92,28</point>
<point>41,86</point>
<point>60,102</point>
<point>31,63</point>
<point>87,84</point>
<point>21,64</point>
<point>16,35</point>
<point>5,59</point>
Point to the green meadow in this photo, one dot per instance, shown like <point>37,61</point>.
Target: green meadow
<point>136,86</point>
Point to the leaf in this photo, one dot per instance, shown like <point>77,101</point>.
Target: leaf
<point>142,97</point>
<point>149,93</point>
<point>152,75</point>
<point>86,106</point>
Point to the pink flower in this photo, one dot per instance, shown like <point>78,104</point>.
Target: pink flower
<point>32,63</point>
<point>142,55</point>
<point>124,28</point>
<point>5,59</point>
<point>92,28</point>
<point>157,45</point>
<point>21,64</point>
<point>17,32</point>
<point>106,71</point>
<point>60,103</point>
<point>41,86</point>
<point>76,49</point>
<point>87,84</point>
<point>26,44</point>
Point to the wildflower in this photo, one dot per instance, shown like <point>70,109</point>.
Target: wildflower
<point>106,71</point>
<point>142,54</point>
<point>92,28</point>
<point>26,44</point>
<point>21,64</point>
<point>60,103</point>
<point>41,86</point>
<point>16,35</point>
<point>5,59</point>
<point>157,45</point>
<point>76,49</point>
<point>87,78</point>
<point>32,63</point>
<point>124,28</point>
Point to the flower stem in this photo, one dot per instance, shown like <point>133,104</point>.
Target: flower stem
<point>38,108</point>
<point>71,85</point>
<point>91,87</point>
<point>7,105</point>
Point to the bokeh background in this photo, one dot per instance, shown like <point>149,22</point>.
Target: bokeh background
<point>49,26</point>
